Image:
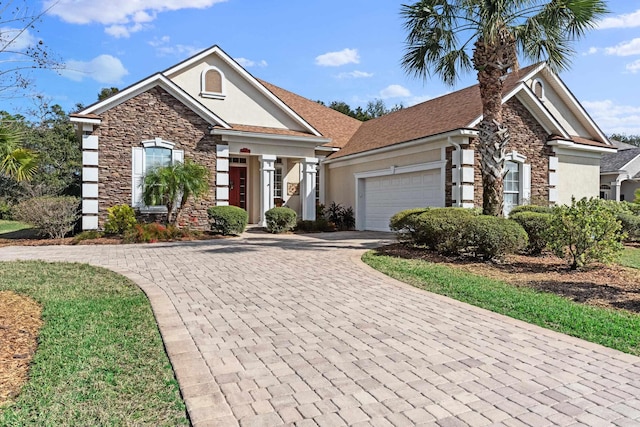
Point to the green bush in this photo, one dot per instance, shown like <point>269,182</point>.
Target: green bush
<point>5,210</point>
<point>280,220</point>
<point>343,218</point>
<point>493,237</point>
<point>586,231</point>
<point>404,223</point>
<point>630,225</point>
<point>120,218</point>
<point>54,217</point>
<point>152,232</point>
<point>319,225</point>
<point>444,229</point>
<point>228,220</point>
<point>530,208</point>
<point>536,224</point>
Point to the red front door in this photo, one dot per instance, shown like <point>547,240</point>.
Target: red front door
<point>238,187</point>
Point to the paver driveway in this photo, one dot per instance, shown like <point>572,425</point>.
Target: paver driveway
<point>267,330</point>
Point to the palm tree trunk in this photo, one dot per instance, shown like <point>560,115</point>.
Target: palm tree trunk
<point>492,62</point>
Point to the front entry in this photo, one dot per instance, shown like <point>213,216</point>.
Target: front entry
<point>238,187</point>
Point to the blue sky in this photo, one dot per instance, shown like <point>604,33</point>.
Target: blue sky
<point>324,50</point>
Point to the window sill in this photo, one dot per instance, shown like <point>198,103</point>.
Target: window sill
<point>212,95</point>
<point>152,209</point>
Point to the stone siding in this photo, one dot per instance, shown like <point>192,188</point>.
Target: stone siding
<point>152,114</point>
<point>529,139</point>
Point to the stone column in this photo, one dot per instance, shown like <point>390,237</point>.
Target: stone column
<point>462,173</point>
<point>308,193</point>
<point>267,168</point>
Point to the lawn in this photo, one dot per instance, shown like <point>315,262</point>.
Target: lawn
<point>631,257</point>
<point>100,358</point>
<point>9,226</point>
<point>616,329</point>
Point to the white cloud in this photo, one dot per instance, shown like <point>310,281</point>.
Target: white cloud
<point>395,91</point>
<point>336,59</point>
<point>16,40</point>
<point>633,67</point>
<point>246,63</point>
<point>629,20</point>
<point>591,51</point>
<point>120,17</point>
<point>103,69</point>
<point>164,48</point>
<point>628,48</point>
<point>354,75</point>
<point>613,118</point>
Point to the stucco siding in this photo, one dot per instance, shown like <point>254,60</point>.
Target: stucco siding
<point>578,177</point>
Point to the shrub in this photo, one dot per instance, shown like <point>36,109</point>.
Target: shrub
<point>228,220</point>
<point>343,218</point>
<point>630,225</point>
<point>536,224</point>
<point>530,208</point>
<point>584,232</point>
<point>120,218</point>
<point>87,235</point>
<point>280,220</point>
<point>444,229</point>
<point>54,217</point>
<point>404,223</point>
<point>5,210</point>
<point>493,237</point>
<point>151,233</point>
<point>318,225</point>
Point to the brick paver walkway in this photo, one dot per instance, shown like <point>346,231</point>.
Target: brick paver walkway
<point>268,330</point>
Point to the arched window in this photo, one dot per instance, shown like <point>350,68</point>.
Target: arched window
<point>149,155</point>
<point>538,88</point>
<point>212,83</point>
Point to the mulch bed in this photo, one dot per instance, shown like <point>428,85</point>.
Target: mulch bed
<point>20,322</point>
<point>599,285</point>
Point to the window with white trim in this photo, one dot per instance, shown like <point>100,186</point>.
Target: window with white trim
<point>517,182</point>
<point>212,83</point>
<point>277,183</point>
<point>150,155</point>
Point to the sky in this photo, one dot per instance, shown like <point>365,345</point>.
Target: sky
<point>328,50</point>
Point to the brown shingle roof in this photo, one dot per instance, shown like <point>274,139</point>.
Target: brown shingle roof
<point>455,110</point>
<point>270,131</point>
<point>330,123</point>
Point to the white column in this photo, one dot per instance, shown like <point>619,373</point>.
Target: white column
<point>615,190</point>
<point>322,170</point>
<point>308,194</point>
<point>89,178</point>
<point>267,167</point>
<point>222,175</point>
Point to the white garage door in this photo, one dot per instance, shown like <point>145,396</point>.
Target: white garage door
<point>387,195</point>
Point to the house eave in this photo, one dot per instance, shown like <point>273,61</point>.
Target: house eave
<point>258,138</point>
<point>559,143</point>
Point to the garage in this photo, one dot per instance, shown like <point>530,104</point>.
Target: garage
<point>386,195</point>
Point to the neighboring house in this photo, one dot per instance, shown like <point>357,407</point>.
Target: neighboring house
<point>620,173</point>
<point>266,146</point>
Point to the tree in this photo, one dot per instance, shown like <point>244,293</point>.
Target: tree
<point>106,92</point>
<point>448,37</point>
<point>16,162</point>
<point>627,139</point>
<point>20,51</point>
<point>172,186</point>
<point>376,108</point>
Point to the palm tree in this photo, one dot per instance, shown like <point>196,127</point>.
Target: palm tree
<point>16,162</point>
<point>172,186</point>
<point>448,37</point>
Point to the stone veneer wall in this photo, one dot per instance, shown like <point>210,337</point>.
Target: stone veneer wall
<point>152,114</point>
<point>528,138</point>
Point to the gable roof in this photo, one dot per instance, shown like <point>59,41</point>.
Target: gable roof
<point>456,110</point>
<point>614,162</point>
<point>331,123</point>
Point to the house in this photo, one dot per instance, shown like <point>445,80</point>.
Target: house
<point>266,146</point>
<point>620,173</point>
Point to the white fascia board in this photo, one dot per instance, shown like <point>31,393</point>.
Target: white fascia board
<point>570,145</point>
<point>148,83</point>
<point>257,137</point>
<point>248,77</point>
<point>578,109</point>
<point>441,136</point>
<point>323,148</point>
<point>88,120</point>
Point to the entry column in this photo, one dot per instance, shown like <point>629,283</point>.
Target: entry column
<point>309,170</point>
<point>267,168</point>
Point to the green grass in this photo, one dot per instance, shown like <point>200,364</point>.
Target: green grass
<point>9,226</point>
<point>615,329</point>
<point>630,257</point>
<point>100,358</point>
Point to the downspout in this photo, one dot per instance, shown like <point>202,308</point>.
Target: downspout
<point>459,149</point>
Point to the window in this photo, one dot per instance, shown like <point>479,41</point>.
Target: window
<point>152,154</point>
<point>318,186</point>
<point>538,88</point>
<point>511,186</point>
<point>277,183</point>
<point>212,83</point>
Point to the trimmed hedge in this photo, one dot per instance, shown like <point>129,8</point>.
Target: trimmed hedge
<point>445,230</point>
<point>530,208</point>
<point>536,224</point>
<point>405,223</point>
<point>228,220</point>
<point>630,225</point>
<point>495,237</point>
<point>280,220</point>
